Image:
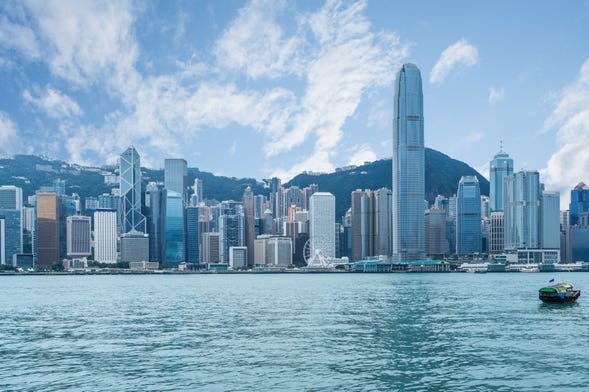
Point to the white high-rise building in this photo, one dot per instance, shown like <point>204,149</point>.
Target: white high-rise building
<point>105,236</point>
<point>322,224</point>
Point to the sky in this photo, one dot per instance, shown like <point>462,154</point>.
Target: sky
<point>273,88</point>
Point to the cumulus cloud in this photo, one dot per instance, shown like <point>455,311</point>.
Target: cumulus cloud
<point>256,44</point>
<point>362,154</point>
<point>54,103</point>
<point>496,94</point>
<point>88,42</point>
<point>332,52</point>
<point>459,54</point>
<point>569,164</point>
<point>19,37</point>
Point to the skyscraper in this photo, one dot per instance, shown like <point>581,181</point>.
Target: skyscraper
<point>174,229</point>
<point>468,216</point>
<point>78,236</point>
<point>500,167</point>
<point>579,202</point>
<point>176,177</point>
<point>105,236</point>
<point>322,224</point>
<point>192,235</point>
<point>522,208</point>
<point>408,166</point>
<point>130,185</point>
<point>47,229</point>
<point>11,225</point>
<point>550,220</point>
<point>384,222</point>
<point>231,227</point>
<point>248,210</point>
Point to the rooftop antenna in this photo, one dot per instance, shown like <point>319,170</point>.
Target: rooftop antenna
<point>500,145</point>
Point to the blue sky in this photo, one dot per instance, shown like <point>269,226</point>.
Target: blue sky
<point>264,88</point>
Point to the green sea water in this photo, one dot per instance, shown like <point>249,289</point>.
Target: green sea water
<point>313,332</point>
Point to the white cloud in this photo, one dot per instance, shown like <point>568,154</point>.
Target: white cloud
<point>255,43</point>
<point>233,148</point>
<point>54,103</point>
<point>459,54</point>
<point>363,154</point>
<point>570,162</point>
<point>87,41</point>
<point>475,137</point>
<point>351,60</point>
<point>8,133</point>
<point>483,169</point>
<point>332,53</point>
<point>21,38</point>
<point>496,94</point>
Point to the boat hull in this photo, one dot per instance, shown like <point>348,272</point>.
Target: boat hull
<point>557,299</point>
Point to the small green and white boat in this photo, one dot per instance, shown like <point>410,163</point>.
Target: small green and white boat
<point>560,293</point>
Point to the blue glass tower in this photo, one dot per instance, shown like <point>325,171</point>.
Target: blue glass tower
<point>500,167</point>
<point>130,207</point>
<point>192,242</point>
<point>174,234</point>
<point>579,202</point>
<point>408,166</point>
<point>468,216</point>
<point>176,183</point>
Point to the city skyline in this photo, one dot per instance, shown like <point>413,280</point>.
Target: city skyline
<point>261,89</point>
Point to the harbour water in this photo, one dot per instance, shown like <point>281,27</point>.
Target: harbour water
<point>316,332</point>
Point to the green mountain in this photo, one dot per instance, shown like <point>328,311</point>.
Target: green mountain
<point>442,175</point>
<point>32,172</point>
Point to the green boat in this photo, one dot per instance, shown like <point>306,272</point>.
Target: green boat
<point>560,293</point>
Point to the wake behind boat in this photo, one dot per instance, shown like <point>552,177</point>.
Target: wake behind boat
<point>560,293</point>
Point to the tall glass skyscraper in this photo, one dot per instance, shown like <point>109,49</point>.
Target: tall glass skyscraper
<point>522,208</point>
<point>500,167</point>
<point>408,166</point>
<point>130,179</point>
<point>176,184</point>
<point>176,176</point>
<point>11,223</point>
<point>468,216</point>
<point>174,234</point>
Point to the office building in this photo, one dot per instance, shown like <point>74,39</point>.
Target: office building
<point>237,257</point>
<point>11,223</point>
<point>176,177</point>
<point>496,232</point>
<point>468,217</point>
<point>322,225</point>
<point>132,220</point>
<point>47,244</point>
<point>134,247</point>
<point>550,220</point>
<point>500,167</point>
<point>579,203</point>
<point>192,235</point>
<point>211,244</point>
<point>522,209</point>
<point>384,222</point>
<point>435,232</point>
<point>105,236</point>
<point>248,211</point>
<point>408,166</point>
<point>231,227</point>
<point>279,251</point>
<point>174,229</point>
<point>78,236</point>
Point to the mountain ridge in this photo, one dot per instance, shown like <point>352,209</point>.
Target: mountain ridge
<point>442,174</point>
